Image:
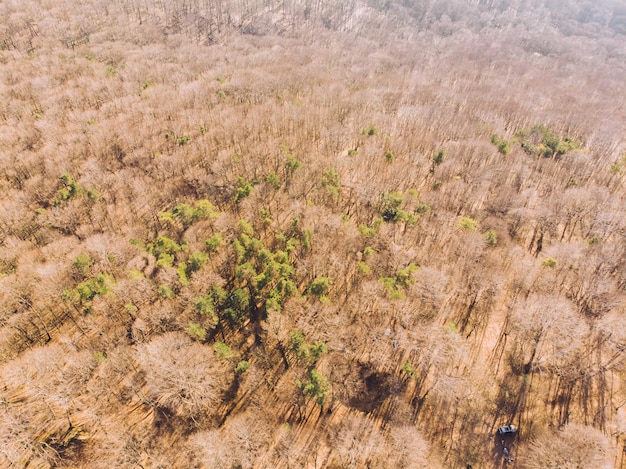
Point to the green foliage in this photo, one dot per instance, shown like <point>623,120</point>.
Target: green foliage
<point>165,291</point>
<point>291,165</point>
<point>305,352</point>
<point>391,199</point>
<point>397,284</point>
<point>237,307</point>
<point>222,350</point>
<point>549,262</point>
<point>619,167</point>
<point>439,157</point>
<point>265,274</point>
<point>370,231</point>
<point>491,238</point>
<point>165,260</point>
<point>242,367</point>
<point>330,181</point>
<point>422,208</point>
<point>183,277</point>
<point>187,214</point>
<point>409,370</point>
<point>135,273</point>
<point>196,331</point>
<point>245,228</point>
<point>204,210</point>
<point>437,185</point>
<point>299,346</point>
<point>501,144</point>
<point>541,141</point>
<point>195,262</point>
<point>316,387</point>
<point>164,249</point>
<point>183,140</point>
<point>404,277</point>
<point>306,237</point>
<point>215,301</point>
<point>363,269</point>
<point>316,351</point>
<point>82,265</point>
<point>320,286</point>
<point>98,285</point>
<point>265,217</point>
<point>71,190</point>
<point>390,207</point>
<point>273,180</point>
<point>452,327</point>
<point>87,290</point>
<point>244,189</point>
<point>93,195</point>
<point>214,242</point>
<point>389,156</point>
<point>370,131</point>
<point>467,223</point>
<point>368,251</point>
<point>593,240</point>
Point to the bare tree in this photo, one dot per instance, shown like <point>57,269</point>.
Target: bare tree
<point>182,376</point>
<point>573,446</point>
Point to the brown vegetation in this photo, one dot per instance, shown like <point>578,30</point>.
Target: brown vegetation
<point>312,234</point>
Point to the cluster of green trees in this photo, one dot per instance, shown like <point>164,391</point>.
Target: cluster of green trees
<point>541,141</point>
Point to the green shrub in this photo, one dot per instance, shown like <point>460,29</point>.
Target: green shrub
<point>242,367</point>
<point>196,331</point>
<point>273,180</point>
<point>330,181</point>
<point>491,238</point>
<point>501,144</point>
<point>316,387</point>
<point>467,223</point>
<point>166,292</point>
<point>222,350</point>
<point>370,131</point>
<point>409,370</point>
<point>439,157</point>
<point>363,269</point>
<point>320,286</point>
<point>214,242</point>
<point>82,264</point>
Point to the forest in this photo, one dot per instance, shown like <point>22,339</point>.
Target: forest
<point>312,234</point>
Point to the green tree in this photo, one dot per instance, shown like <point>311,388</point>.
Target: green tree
<point>320,286</point>
<point>467,223</point>
<point>196,331</point>
<point>81,265</point>
<point>273,180</point>
<point>439,157</point>
<point>491,238</point>
<point>330,181</point>
<point>316,387</point>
